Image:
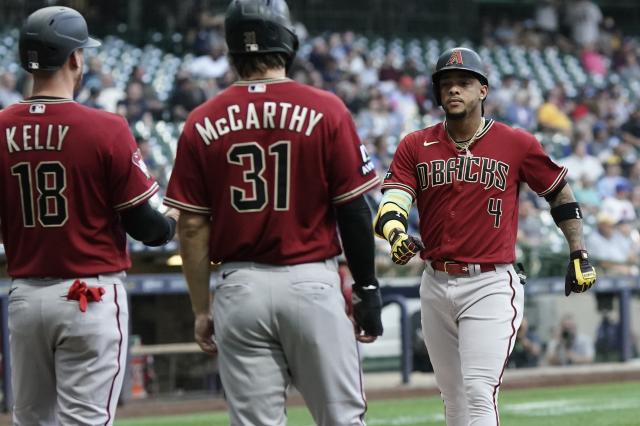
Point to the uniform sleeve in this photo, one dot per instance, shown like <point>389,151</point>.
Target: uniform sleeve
<point>351,172</point>
<point>130,180</point>
<point>186,189</point>
<point>402,174</point>
<point>539,171</point>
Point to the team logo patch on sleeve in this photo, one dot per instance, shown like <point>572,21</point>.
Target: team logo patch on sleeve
<point>137,160</point>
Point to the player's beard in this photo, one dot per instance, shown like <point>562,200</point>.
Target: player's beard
<point>454,116</point>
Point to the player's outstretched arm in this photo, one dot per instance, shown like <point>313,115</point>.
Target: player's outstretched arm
<point>354,223</point>
<point>193,233</point>
<point>567,215</point>
<point>148,225</point>
<point>391,224</point>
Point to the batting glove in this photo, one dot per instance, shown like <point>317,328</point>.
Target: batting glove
<point>403,246</point>
<point>580,274</point>
<point>367,307</point>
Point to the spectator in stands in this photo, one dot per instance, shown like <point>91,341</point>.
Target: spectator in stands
<point>319,55</point>
<point>546,18</point>
<point>378,119</point>
<point>586,194</point>
<point>531,229</point>
<point>154,168</point>
<point>527,349</point>
<point>92,78</point>
<point>603,141</point>
<point>584,17</point>
<point>134,107</point>
<point>518,112</point>
<point>551,115</point>
<point>580,163</point>
<point>110,94</point>
<point>154,105</point>
<point>8,93</point>
<point>611,250</point>
<point>619,206</point>
<point>388,70</point>
<point>631,129</point>
<point>186,95</point>
<point>403,101</point>
<point>213,64</point>
<point>593,61</point>
<point>568,346</point>
<point>612,178</point>
<point>608,339</point>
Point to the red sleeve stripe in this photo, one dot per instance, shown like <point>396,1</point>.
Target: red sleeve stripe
<point>401,186</point>
<point>357,191</point>
<point>187,207</point>
<point>555,183</point>
<point>139,199</point>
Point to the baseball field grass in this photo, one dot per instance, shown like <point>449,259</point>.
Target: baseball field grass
<point>612,404</point>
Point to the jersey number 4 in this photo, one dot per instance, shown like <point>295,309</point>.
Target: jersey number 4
<point>50,183</point>
<point>253,175</point>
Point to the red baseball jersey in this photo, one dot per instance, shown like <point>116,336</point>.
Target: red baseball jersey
<point>268,160</point>
<point>65,172</point>
<point>468,202</point>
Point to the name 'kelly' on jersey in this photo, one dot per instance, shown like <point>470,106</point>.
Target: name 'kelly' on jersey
<point>66,170</point>
<point>468,202</point>
<point>268,160</point>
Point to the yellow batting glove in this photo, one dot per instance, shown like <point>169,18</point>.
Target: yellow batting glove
<point>580,274</point>
<point>403,246</point>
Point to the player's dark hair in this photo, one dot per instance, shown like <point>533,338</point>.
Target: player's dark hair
<point>247,65</point>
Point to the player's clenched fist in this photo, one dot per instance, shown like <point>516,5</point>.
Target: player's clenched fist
<point>580,274</point>
<point>367,307</point>
<point>403,246</point>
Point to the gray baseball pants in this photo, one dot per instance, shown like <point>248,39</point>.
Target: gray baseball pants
<point>282,325</point>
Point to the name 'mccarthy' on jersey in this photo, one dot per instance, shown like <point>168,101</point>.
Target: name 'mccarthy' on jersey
<point>468,201</point>
<point>66,170</point>
<point>277,155</point>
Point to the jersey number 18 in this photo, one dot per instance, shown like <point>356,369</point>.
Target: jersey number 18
<point>50,183</point>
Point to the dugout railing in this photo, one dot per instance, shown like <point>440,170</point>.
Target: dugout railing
<point>395,291</point>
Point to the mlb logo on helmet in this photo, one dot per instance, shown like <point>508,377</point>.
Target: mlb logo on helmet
<point>250,43</point>
<point>32,58</point>
<point>455,58</point>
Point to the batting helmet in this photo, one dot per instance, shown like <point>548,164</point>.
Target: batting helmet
<point>458,58</point>
<point>260,26</point>
<point>50,35</point>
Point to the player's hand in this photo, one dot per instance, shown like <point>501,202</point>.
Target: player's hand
<point>580,274</point>
<point>367,308</point>
<point>403,246</point>
<point>203,328</point>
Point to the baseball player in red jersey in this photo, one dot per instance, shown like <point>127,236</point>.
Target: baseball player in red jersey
<point>263,174</point>
<point>464,175</point>
<point>72,182</point>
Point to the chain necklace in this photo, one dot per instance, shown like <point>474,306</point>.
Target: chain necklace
<point>464,145</point>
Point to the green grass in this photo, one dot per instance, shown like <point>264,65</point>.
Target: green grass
<point>615,404</point>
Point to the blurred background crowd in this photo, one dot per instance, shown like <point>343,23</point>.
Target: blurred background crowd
<point>566,73</point>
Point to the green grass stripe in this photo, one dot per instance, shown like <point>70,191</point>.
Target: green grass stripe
<point>612,404</point>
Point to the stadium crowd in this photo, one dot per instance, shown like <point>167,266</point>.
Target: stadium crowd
<point>593,128</point>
